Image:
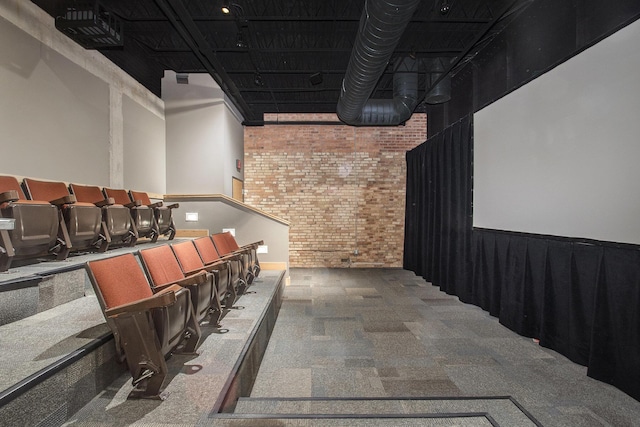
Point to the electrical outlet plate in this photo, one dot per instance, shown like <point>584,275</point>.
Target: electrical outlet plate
<point>263,249</point>
<point>230,230</point>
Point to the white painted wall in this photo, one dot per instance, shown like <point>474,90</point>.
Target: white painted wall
<point>204,136</point>
<point>54,116</point>
<point>70,114</point>
<point>144,148</point>
<point>560,155</point>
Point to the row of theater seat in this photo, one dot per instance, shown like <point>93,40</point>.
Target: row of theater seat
<point>53,219</point>
<point>154,307</point>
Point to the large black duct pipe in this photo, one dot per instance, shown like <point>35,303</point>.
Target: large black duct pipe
<point>381,26</point>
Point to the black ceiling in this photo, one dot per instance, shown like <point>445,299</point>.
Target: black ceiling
<point>278,56</point>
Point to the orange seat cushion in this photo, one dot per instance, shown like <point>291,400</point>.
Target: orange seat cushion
<point>221,244</point>
<point>120,279</point>
<point>162,265</point>
<point>87,193</point>
<point>231,241</point>
<point>188,257</point>
<point>121,197</point>
<point>207,250</point>
<point>8,183</point>
<point>143,197</point>
<point>46,190</point>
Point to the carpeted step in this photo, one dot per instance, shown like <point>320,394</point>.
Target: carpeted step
<point>503,410</point>
<point>479,420</point>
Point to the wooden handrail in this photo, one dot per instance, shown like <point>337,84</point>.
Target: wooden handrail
<point>225,199</point>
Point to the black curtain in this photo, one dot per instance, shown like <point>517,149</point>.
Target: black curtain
<point>438,216</point>
<point>581,298</point>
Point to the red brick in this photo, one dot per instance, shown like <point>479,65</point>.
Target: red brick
<point>341,187</point>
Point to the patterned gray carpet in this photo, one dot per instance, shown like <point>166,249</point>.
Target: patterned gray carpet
<point>355,347</point>
<point>387,333</point>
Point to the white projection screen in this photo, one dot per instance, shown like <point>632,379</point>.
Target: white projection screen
<point>561,155</point>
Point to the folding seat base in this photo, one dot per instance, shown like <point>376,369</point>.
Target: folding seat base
<point>144,357</point>
<point>171,231</point>
<point>6,250</point>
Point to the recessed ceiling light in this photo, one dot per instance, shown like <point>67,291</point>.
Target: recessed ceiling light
<point>225,9</point>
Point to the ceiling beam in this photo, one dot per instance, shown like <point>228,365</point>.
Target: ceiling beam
<point>184,25</point>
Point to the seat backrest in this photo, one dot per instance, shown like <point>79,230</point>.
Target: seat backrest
<point>207,250</point>
<point>45,190</point>
<point>120,280</point>
<point>8,183</point>
<point>221,244</point>
<point>188,256</point>
<point>140,195</point>
<point>231,241</point>
<point>119,196</point>
<point>162,265</point>
<point>87,193</point>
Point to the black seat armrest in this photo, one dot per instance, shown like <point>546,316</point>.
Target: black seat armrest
<point>65,200</point>
<point>174,206</point>
<point>155,205</point>
<point>9,196</point>
<point>253,245</point>
<point>195,279</point>
<point>231,257</point>
<point>106,202</point>
<point>134,204</point>
<point>158,300</point>
<point>219,265</point>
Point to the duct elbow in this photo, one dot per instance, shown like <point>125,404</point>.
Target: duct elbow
<point>381,26</point>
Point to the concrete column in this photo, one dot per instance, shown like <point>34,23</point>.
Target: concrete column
<point>116,139</point>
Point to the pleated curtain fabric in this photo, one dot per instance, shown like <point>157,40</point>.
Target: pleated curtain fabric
<point>578,297</point>
<point>438,217</point>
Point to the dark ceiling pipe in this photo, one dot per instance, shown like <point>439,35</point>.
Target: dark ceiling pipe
<point>381,25</point>
<point>405,98</point>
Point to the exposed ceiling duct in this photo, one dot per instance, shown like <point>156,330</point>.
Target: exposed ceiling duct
<point>381,25</point>
<point>284,56</point>
<point>438,81</point>
<point>405,98</point>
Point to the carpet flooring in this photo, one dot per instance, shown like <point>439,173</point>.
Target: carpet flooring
<point>372,333</point>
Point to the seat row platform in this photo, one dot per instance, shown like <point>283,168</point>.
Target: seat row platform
<point>70,370</point>
<point>51,219</point>
<point>168,325</point>
<point>154,306</point>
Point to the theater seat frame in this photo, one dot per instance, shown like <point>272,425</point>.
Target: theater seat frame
<point>163,214</point>
<point>144,330</point>
<point>143,216</point>
<point>74,218</point>
<point>36,223</point>
<point>162,269</point>
<point>191,263</point>
<point>116,217</point>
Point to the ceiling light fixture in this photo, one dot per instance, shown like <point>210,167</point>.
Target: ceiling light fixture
<point>257,79</point>
<point>316,78</point>
<point>445,7</point>
<point>225,9</point>
<point>240,43</point>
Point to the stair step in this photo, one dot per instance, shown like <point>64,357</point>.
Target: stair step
<point>477,420</point>
<point>504,410</point>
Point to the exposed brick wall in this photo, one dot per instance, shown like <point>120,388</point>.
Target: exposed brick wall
<point>341,187</point>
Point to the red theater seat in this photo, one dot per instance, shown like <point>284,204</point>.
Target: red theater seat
<point>116,216</point>
<point>35,228</point>
<point>82,221</point>
<point>147,326</point>
<point>163,269</point>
